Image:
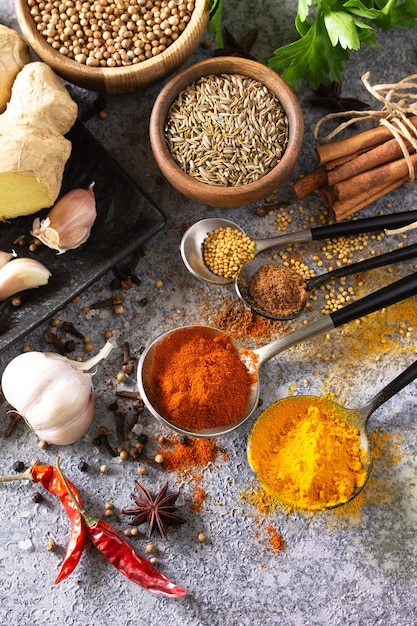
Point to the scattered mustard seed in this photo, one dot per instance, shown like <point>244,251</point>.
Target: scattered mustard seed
<point>150,548</point>
<point>51,546</point>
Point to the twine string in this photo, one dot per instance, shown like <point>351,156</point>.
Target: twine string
<point>399,102</point>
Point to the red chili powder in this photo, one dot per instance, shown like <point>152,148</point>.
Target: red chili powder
<point>200,380</point>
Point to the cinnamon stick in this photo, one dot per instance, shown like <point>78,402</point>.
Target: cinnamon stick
<point>367,181</point>
<point>335,163</point>
<point>310,182</point>
<point>342,209</point>
<point>363,140</point>
<point>383,153</point>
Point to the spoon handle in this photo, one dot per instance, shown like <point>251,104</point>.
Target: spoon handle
<point>401,254</point>
<point>340,229</point>
<point>364,225</point>
<point>399,290</point>
<point>395,292</point>
<point>402,380</point>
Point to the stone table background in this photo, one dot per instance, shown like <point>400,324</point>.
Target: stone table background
<point>351,569</point>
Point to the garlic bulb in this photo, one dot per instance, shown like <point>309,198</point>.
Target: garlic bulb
<point>54,395</point>
<point>20,274</point>
<point>69,222</point>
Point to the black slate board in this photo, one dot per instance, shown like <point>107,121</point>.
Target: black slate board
<point>126,218</point>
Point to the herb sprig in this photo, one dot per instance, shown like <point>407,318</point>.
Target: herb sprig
<point>329,30</point>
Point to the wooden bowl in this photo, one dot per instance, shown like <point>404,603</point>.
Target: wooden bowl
<point>116,79</point>
<point>220,195</point>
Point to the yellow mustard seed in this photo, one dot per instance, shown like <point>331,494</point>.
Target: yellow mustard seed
<point>225,250</point>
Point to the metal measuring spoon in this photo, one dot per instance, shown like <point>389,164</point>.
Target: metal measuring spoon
<point>357,418</point>
<point>192,240</point>
<point>254,359</point>
<point>248,270</point>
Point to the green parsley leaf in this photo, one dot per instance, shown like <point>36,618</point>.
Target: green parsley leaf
<point>337,28</point>
<point>342,29</point>
<point>215,22</point>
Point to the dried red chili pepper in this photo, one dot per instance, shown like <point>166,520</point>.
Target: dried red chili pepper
<point>51,480</point>
<point>120,554</point>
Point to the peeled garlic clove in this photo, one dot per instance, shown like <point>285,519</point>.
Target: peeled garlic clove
<point>53,394</point>
<point>21,274</point>
<point>5,257</point>
<point>69,222</point>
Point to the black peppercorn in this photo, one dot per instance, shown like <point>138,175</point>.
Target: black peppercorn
<point>37,497</point>
<point>142,438</point>
<point>184,440</point>
<point>143,301</point>
<point>19,466</point>
<point>83,466</point>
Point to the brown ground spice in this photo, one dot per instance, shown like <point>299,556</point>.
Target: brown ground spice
<point>232,317</point>
<point>277,290</point>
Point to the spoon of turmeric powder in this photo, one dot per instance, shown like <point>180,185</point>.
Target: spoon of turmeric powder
<point>194,237</point>
<point>327,440</point>
<point>201,382</point>
<point>278,292</point>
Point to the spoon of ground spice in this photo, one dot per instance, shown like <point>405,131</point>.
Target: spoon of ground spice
<point>312,453</point>
<point>214,249</point>
<point>278,292</point>
<point>201,382</point>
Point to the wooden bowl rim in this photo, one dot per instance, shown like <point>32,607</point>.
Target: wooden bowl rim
<point>219,195</point>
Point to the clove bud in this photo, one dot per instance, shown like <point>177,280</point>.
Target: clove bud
<point>69,222</point>
<point>20,274</point>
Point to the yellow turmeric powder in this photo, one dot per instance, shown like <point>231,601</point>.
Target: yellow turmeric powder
<point>306,454</point>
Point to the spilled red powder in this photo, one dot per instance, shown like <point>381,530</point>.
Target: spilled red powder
<point>199,497</point>
<point>194,453</point>
<point>275,539</point>
<point>188,458</point>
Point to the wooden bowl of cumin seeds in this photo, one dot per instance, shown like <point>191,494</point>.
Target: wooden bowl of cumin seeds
<point>226,131</point>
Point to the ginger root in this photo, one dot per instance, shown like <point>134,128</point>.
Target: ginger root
<point>33,149</point>
<point>14,54</point>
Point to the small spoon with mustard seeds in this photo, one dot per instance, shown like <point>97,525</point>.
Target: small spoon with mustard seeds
<point>271,419</point>
<point>192,240</point>
<point>254,359</point>
<point>286,292</point>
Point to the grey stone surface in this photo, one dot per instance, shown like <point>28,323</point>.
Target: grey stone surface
<point>336,569</point>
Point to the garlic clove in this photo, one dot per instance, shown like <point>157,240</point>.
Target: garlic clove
<point>5,257</point>
<point>69,222</point>
<point>20,274</point>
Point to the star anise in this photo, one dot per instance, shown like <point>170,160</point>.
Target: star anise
<point>158,512</point>
<point>234,48</point>
<point>331,98</point>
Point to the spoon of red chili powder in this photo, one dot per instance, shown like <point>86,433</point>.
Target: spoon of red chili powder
<point>201,382</point>
<point>278,292</point>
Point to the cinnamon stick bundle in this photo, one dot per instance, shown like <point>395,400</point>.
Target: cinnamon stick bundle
<point>357,170</point>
